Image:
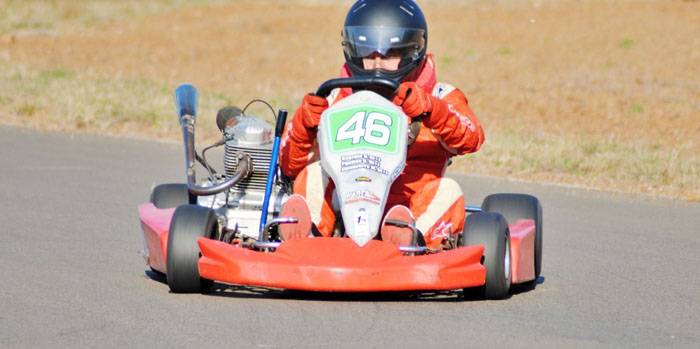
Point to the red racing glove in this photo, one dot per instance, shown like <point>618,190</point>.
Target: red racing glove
<point>413,99</point>
<point>312,107</point>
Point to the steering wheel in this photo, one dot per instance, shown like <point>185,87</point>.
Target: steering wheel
<point>357,82</point>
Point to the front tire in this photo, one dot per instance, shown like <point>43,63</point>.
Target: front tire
<point>189,223</point>
<point>490,230</point>
<point>515,207</point>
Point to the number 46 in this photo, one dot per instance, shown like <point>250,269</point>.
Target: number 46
<point>372,127</point>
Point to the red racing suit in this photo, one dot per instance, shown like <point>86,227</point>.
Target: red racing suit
<point>436,202</point>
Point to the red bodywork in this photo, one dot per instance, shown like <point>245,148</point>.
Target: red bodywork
<point>338,264</point>
<point>522,250</point>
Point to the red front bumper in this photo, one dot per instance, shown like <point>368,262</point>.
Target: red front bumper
<point>336,264</point>
<point>320,264</point>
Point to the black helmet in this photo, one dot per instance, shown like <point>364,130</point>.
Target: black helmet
<point>388,28</point>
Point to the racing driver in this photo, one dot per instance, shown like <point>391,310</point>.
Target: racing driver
<point>388,38</point>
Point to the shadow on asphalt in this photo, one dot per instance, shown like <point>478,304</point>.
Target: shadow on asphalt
<point>233,291</point>
<point>526,287</point>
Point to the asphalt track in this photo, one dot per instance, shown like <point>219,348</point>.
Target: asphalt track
<point>618,270</point>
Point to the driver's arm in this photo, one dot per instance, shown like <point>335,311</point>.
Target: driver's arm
<point>447,114</point>
<point>300,135</point>
<point>295,151</point>
<point>454,122</point>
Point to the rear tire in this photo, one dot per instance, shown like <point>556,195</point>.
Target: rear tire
<point>490,230</point>
<point>171,195</point>
<point>189,223</point>
<point>515,207</point>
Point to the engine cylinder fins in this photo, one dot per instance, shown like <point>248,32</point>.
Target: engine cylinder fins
<point>260,156</point>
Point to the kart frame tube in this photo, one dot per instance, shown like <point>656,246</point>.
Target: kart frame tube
<point>272,171</point>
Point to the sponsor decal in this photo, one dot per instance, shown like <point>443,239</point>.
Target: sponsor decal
<point>362,161</point>
<point>361,223</point>
<point>442,90</point>
<point>463,119</point>
<point>363,179</point>
<point>397,172</point>
<point>441,231</point>
<point>362,195</point>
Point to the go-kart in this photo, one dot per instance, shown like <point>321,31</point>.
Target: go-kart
<point>226,228</point>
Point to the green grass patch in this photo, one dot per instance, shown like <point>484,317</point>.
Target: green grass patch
<point>54,74</point>
<point>626,43</point>
<point>504,51</point>
<point>4,101</point>
<point>27,109</point>
<point>446,61</point>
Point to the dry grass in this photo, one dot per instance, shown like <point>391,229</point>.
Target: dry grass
<point>52,17</point>
<point>62,99</point>
<point>597,93</point>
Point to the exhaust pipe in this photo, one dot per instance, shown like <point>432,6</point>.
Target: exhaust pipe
<point>186,104</point>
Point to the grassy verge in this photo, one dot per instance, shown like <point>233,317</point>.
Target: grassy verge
<point>62,99</point>
<point>601,163</point>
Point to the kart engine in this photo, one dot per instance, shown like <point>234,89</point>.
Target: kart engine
<point>242,204</point>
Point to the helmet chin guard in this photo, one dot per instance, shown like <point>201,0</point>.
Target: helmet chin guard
<point>357,69</point>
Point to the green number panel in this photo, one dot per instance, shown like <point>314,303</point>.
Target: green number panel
<point>364,127</point>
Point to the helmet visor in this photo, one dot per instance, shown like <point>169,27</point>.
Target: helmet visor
<point>363,42</point>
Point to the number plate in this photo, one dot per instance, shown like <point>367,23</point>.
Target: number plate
<point>363,127</point>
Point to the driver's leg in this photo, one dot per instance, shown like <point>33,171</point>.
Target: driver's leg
<point>317,189</point>
<point>439,210</point>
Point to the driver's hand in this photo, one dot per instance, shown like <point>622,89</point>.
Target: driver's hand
<point>413,99</point>
<point>312,107</point>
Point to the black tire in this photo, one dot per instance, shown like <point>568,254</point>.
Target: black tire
<point>515,207</point>
<point>172,195</point>
<point>490,230</point>
<point>189,223</point>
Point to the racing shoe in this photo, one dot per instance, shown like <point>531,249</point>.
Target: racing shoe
<point>398,227</point>
<point>295,207</point>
